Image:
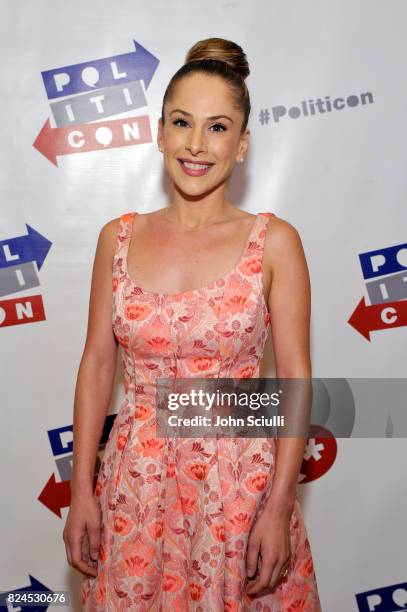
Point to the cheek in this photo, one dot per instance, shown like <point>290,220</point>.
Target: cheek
<point>224,151</point>
<point>173,141</point>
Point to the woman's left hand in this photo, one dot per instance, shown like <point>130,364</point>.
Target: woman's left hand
<point>269,537</point>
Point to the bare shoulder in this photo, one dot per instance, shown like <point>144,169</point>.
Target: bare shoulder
<point>282,243</point>
<point>110,227</point>
<point>107,237</point>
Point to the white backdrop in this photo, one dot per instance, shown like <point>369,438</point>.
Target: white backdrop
<point>337,175</point>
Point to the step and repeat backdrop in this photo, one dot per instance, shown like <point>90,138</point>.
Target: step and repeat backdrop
<point>82,89</point>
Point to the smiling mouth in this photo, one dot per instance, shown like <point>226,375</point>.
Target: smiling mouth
<point>194,168</point>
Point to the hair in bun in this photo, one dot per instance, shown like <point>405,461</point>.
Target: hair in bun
<point>221,50</point>
<point>218,57</point>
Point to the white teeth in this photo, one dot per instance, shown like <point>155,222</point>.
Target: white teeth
<point>196,166</point>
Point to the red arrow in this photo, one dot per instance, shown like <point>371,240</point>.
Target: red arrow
<point>378,316</point>
<point>56,495</point>
<point>84,137</point>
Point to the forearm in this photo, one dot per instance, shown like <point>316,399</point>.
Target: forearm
<point>92,397</point>
<point>288,462</point>
<point>290,450</point>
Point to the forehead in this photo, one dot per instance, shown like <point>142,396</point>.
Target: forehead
<point>202,94</point>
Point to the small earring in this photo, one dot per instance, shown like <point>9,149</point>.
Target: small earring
<point>160,149</point>
<point>241,159</point>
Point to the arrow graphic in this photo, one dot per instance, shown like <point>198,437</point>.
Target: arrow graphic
<point>32,246</point>
<point>109,134</point>
<point>34,586</point>
<point>18,311</point>
<point>104,72</point>
<point>366,319</point>
<point>56,495</point>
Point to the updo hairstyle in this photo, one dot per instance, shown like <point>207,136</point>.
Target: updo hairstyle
<point>219,57</point>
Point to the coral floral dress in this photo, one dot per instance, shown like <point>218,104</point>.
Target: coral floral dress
<point>176,513</point>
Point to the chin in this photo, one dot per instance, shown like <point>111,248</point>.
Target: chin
<point>197,191</point>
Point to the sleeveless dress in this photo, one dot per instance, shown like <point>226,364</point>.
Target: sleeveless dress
<point>176,513</point>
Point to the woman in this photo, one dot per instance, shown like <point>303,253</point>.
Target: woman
<point>182,524</point>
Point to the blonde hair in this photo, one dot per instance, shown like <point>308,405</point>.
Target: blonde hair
<point>218,57</point>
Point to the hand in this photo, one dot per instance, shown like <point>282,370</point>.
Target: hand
<point>82,534</point>
<point>269,538</point>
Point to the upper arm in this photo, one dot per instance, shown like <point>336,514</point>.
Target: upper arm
<point>289,300</point>
<point>100,340</point>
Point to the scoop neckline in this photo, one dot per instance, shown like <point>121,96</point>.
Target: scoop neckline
<point>190,291</point>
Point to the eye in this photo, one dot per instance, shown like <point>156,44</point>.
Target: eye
<point>177,121</point>
<point>216,127</point>
<point>219,125</point>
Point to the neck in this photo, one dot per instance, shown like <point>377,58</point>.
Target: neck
<point>192,213</point>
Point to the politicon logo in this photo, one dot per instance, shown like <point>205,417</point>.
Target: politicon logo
<point>385,273</point>
<point>312,107</point>
<point>21,258</point>
<point>83,98</point>
<point>56,493</point>
<point>391,598</point>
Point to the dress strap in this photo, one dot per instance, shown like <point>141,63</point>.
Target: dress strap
<point>255,243</point>
<point>265,216</point>
<point>124,232</point>
<point>252,261</point>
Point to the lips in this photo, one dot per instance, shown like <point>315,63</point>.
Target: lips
<point>192,168</point>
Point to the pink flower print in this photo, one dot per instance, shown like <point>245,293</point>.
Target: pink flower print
<point>247,371</point>
<point>298,597</point>
<point>102,555</point>
<point>150,446</point>
<point>200,364</point>
<point>121,440</point>
<point>136,312</point>
<point>306,568</point>
<point>98,488</point>
<point>137,558</point>
<point>170,470</point>
<point>142,412</point>
<point>238,299</point>
<point>172,582</point>
<point>100,595</point>
<point>127,217</point>
<point>225,486</point>
<point>195,591</point>
<point>256,482</point>
<point>198,470</point>
<point>232,606</point>
<point>186,502</point>
<point>250,266</point>
<point>156,529</point>
<point>121,525</point>
<point>240,515</point>
<point>122,340</point>
<point>218,532</point>
<point>159,344</point>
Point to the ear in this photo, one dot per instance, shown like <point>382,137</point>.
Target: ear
<point>160,135</point>
<point>243,144</point>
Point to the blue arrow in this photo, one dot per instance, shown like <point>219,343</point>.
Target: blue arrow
<point>114,70</point>
<point>35,585</point>
<point>30,247</point>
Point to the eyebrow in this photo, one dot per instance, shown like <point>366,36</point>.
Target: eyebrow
<point>179,110</point>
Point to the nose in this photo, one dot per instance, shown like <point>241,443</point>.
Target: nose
<point>196,141</point>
